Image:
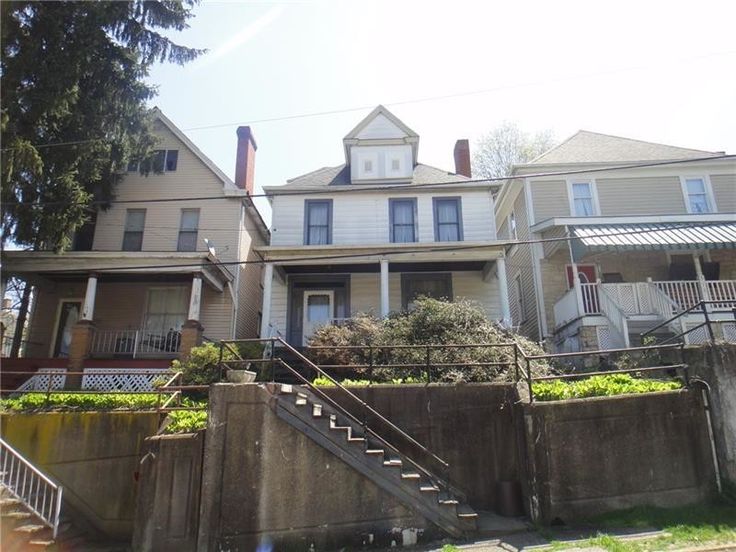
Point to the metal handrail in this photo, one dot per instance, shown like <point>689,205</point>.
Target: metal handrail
<point>701,306</point>
<point>26,483</point>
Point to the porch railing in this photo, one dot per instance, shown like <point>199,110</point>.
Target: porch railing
<point>26,483</point>
<point>134,343</point>
<point>615,315</point>
<point>566,309</point>
<point>719,294</point>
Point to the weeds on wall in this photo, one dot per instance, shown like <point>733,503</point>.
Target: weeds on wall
<point>599,386</point>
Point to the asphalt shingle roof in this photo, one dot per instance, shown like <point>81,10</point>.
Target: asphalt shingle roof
<point>340,176</point>
<point>592,147</point>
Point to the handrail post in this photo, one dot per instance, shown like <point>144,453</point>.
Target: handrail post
<point>271,362</point>
<point>219,360</point>
<point>48,388</point>
<point>370,361</point>
<point>516,363</point>
<point>704,308</point>
<point>529,380</point>
<point>427,353</point>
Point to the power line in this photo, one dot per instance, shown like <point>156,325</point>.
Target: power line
<point>379,253</point>
<point>332,190</point>
<point>416,100</point>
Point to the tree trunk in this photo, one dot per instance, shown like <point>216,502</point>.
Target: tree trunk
<point>21,320</point>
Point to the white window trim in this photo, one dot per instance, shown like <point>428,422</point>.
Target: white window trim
<point>593,191</point>
<point>513,230</point>
<point>709,197</point>
<point>59,306</point>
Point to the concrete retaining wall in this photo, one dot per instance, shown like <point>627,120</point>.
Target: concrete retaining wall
<point>93,455</point>
<point>472,427</point>
<point>602,454</point>
<point>167,514</point>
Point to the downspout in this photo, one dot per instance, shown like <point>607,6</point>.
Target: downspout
<point>707,402</point>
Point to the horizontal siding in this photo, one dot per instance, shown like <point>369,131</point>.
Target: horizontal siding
<point>724,190</point>
<point>549,199</point>
<point>365,293</point>
<point>216,313</point>
<point>364,218</point>
<point>656,195</point>
<point>279,292</point>
<point>520,263</point>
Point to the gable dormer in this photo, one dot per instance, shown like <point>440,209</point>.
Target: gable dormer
<point>381,148</point>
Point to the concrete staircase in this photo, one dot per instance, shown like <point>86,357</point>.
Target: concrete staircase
<point>415,487</point>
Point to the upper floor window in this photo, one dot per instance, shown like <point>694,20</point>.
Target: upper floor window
<point>583,199</point>
<point>512,226</point>
<point>403,220</point>
<point>317,221</point>
<point>696,195</point>
<point>448,224</point>
<point>160,161</point>
<point>188,230</point>
<point>135,221</point>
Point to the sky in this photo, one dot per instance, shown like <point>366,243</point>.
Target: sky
<point>657,71</point>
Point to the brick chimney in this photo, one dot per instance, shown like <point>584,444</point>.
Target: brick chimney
<point>462,158</point>
<point>245,159</point>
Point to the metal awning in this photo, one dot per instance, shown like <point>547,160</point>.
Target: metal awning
<point>652,237</point>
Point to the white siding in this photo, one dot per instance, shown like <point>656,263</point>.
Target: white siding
<point>380,127</point>
<point>364,293</point>
<point>279,292</point>
<point>363,218</point>
<point>380,158</point>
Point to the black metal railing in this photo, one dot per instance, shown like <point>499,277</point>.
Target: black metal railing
<point>701,307</point>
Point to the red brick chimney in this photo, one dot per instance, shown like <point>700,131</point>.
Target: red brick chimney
<point>245,159</point>
<point>462,158</point>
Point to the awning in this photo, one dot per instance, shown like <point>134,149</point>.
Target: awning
<point>652,237</point>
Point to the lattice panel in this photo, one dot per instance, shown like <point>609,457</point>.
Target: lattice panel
<point>697,337</point>
<point>110,379</point>
<point>604,337</point>
<point>40,381</point>
<point>729,331</point>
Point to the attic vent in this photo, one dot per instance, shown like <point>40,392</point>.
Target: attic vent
<point>368,166</point>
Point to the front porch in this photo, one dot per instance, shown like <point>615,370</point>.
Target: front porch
<point>127,314</point>
<point>301,295</point>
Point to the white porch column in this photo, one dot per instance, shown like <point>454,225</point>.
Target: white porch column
<point>266,308</point>
<point>88,309</point>
<point>578,288</point>
<point>384,288</point>
<point>195,298</point>
<point>504,290</point>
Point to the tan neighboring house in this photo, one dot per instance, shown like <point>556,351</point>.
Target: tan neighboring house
<point>148,279</point>
<point>641,243</point>
<point>372,234</point>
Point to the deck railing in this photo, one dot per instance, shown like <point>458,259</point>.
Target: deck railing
<point>134,343</point>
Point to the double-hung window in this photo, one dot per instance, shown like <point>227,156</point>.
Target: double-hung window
<point>697,196</point>
<point>403,220</point>
<point>188,230</point>
<point>423,284</point>
<point>448,220</point>
<point>582,198</point>
<point>135,221</point>
<point>317,222</point>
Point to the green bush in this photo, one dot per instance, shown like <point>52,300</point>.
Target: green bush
<point>599,386</point>
<point>431,322</point>
<point>201,366</point>
<point>186,421</point>
<point>325,382</point>
<point>81,401</point>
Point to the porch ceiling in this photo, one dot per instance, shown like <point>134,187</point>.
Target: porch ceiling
<point>430,252</point>
<point>652,237</point>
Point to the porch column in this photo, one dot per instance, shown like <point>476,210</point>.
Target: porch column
<point>384,288</point>
<point>704,292</point>
<point>504,291</point>
<point>576,285</point>
<point>191,331</point>
<point>266,307</point>
<point>88,309</point>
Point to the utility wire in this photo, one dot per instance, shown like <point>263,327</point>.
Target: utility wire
<point>332,190</point>
<point>379,253</point>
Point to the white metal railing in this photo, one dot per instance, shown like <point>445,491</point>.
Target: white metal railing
<point>685,293</point>
<point>721,290</point>
<point>106,342</point>
<point>615,315</point>
<point>26,483</point>
<point>566,309</point>
<point>589,292</point>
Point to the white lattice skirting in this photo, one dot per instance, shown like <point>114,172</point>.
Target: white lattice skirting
<point>97,379</point>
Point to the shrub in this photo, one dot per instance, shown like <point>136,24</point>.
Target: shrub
<point>324,382</point>
<point>186,421</point>
<point>201,366</point>
<point>599,386</point>
<point>431,322</point>
<point>81,401</point>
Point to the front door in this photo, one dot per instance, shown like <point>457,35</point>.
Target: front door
<point>319,308</point>
<point>68,316</point>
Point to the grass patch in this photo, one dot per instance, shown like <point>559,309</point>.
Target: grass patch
<point>687,526</point>
<point>186,421</point>
<point>34,402</point>
<point>599,386</point>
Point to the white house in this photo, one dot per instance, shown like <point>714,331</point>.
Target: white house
<point>372,234</point>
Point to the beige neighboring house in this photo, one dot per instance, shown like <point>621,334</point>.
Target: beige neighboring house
<point>645,243</point>
<point>147,280</point>
<point>372,234</point>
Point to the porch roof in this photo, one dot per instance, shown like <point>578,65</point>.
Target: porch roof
<point>655,236</point>
<point>71,264</point>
